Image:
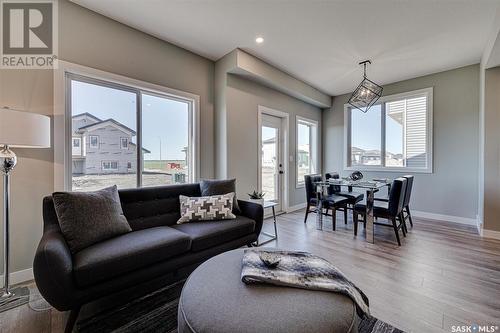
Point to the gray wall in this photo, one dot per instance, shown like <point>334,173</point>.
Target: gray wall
<point>492,149</point>
<point>33,176</point>
<point>452,189</point>
<point>243,98</point>
<point>90,39</point>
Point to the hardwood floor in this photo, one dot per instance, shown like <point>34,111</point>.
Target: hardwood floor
<point>442,275</point>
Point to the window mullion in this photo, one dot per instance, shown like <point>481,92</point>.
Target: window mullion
<point>139,137</point>
<point>383,135</point>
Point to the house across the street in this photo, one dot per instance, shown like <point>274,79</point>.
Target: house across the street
<point>102,146</point>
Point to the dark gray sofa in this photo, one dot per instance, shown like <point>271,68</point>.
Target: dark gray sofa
<point>157,247</point>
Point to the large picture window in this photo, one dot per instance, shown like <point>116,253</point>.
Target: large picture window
<point>306,154</point>
<point>131,137</point>
<point>393,135</point>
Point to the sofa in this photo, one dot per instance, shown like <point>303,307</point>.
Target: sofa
<point>156,249</point>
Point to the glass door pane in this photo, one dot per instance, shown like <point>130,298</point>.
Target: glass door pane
<point>103,141</point>
<point>270,153</point>
<point>165,141</point>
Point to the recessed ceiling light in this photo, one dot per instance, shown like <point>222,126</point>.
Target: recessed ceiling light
<point>259,40</point>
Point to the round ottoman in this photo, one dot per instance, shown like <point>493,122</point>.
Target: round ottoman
<point>214,299</point>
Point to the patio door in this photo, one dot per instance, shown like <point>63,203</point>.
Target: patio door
<point>271,172</point>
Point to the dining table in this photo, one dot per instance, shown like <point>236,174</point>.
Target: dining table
<point>369,186</point>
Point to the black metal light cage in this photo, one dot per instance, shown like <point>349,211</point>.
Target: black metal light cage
<point>367,88</point>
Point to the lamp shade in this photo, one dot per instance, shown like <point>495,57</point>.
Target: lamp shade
<point>24,129</point>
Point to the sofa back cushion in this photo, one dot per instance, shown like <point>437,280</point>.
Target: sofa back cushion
<point>155,206</point>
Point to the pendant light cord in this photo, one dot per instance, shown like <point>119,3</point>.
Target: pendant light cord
<point>364,66</point>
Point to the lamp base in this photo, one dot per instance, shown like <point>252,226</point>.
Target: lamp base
<point>16,297</point>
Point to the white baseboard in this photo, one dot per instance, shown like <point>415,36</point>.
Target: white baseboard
<point>18,277</point>
<point>296,207</point>
<point>442,217</point>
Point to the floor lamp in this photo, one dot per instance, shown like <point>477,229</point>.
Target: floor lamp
<point>17,130</point>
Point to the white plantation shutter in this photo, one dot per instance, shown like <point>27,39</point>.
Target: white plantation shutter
<point>416,132</point>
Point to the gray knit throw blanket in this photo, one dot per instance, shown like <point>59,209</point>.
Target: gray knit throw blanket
<point>302,270</point>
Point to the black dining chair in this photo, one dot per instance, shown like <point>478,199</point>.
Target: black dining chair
<point>391,210</point>
<point>352,196</point>
<point>331,201</point>
<point>406,205</point>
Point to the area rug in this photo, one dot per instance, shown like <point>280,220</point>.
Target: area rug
<point>157,312</point>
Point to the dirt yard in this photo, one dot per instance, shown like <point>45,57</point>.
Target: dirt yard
<point>96,182</point>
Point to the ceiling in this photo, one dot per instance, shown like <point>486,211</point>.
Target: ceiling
<point>321,42</point>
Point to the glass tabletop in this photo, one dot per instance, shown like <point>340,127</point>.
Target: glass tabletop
<point>367,184</point>
<point>269,204</point>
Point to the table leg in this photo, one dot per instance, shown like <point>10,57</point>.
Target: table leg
<point>271,236</point>
<point>369,216</point>
<point>319,210</point>
<point>275,228</point>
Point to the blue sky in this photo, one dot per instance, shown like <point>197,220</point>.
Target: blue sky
<point>163,119</point>
<point>366,131</point>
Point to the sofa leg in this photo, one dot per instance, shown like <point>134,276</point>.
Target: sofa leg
<point>70,324</point>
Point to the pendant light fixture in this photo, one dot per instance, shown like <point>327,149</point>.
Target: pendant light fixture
<point>367,92</point>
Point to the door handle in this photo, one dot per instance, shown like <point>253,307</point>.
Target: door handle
<point>281,172</point>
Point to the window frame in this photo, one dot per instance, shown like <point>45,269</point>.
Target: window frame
<point>314,156</point>
<point>76,139</point>
<point>121,143</point>
<point>62,116</point>
<point>428,92</point>
<point>110,168</point>
<point>90,141</point>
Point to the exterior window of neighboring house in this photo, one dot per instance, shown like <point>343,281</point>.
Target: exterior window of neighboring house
<point>94,141</point>
<point>168,132</point>
<point>76,148</point>
<point>306,154</point>
<point>393,135</point>
<point>110,165</point>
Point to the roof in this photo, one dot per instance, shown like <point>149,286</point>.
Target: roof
<point>144,150</point>
<point>110,120</point>
<point>90,115</point>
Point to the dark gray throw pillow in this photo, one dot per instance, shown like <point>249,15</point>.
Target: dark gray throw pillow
<point>215,187</point>
<point>87,218</point>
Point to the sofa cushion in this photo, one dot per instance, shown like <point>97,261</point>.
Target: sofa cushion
<point>157,206</point>
<point>207,234</point>
<point>218,186</point>
<point>87,218</point>
<point>128,252</point>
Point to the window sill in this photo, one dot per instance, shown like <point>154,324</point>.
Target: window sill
<point>386,169</point>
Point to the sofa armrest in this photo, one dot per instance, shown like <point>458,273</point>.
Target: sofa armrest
<point>253,211</point>
<point>53,270</point>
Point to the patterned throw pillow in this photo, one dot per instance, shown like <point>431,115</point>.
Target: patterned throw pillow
<point>215,207</point>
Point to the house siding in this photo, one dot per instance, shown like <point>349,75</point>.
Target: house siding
<point>109,150</point>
